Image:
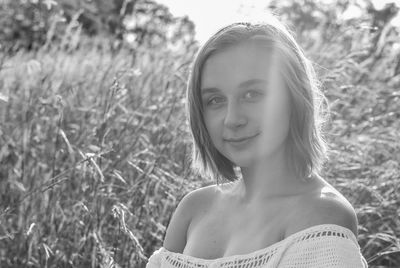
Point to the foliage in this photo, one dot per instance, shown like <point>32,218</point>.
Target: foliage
<point>30,24</point>
<point>94,143</point>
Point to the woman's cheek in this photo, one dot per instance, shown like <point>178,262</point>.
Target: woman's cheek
<point>213,126</point>
<point>274,119</point>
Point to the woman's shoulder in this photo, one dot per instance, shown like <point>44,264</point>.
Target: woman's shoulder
<point>193,201</point>
<point>201,196</point>
<point>324,206</point>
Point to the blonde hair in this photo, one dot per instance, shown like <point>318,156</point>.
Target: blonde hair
<point>307,147</point>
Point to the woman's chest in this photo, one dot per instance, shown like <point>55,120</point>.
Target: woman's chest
<point>216,233</point>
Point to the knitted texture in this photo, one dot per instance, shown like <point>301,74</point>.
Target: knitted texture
<point>323,245</point>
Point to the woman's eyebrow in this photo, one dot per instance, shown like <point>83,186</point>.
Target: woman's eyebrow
<point>242,85</point>
<point>253,81</point>
<point>209,90</point>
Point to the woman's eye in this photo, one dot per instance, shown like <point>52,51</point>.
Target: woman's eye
<point>215,100</point>
<point>252,94</point>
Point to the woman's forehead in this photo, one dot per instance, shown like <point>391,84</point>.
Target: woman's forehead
<point>237,63</point>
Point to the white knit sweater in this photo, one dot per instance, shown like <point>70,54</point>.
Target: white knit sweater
<point>323,245</point>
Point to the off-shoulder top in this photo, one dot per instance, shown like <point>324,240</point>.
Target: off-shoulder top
<point>323,245</point>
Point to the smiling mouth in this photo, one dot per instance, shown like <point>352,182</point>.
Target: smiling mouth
<point>241,139</point>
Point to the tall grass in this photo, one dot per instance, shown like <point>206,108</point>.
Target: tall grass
<point>94,150</point>
<point>93,155</point>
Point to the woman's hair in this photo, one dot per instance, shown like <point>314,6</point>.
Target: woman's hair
<point>306,144</point>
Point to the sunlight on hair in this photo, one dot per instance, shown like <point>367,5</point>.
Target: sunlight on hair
<point>252,15</point>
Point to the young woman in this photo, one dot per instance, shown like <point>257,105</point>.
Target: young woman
<point>256,116</point>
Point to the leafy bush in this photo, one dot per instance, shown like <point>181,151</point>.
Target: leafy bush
<point>31,24</point>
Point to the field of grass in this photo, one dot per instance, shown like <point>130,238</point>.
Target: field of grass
<point>94,149</point>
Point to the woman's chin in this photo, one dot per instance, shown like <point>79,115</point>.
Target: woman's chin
<point>247,158</point>
<point>242,160</point>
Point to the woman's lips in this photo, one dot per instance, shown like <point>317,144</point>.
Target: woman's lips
<point>240,141</point>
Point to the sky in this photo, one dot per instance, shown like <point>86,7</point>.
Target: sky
<point>210,15</point>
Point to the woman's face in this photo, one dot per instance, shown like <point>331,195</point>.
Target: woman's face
<point>246,105</point>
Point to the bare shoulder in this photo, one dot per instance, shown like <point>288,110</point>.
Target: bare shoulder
<point>326,206</point>
<point>195,200</point>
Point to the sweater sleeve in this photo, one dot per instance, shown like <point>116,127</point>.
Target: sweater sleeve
<point>328,252</point>
<point>154,260</point>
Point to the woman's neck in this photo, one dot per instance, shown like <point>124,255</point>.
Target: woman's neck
<point>266,179</point>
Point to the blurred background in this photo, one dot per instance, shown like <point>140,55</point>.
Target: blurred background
<point>94,143</point>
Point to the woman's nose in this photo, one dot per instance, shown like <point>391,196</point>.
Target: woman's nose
<point>234,117</point>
